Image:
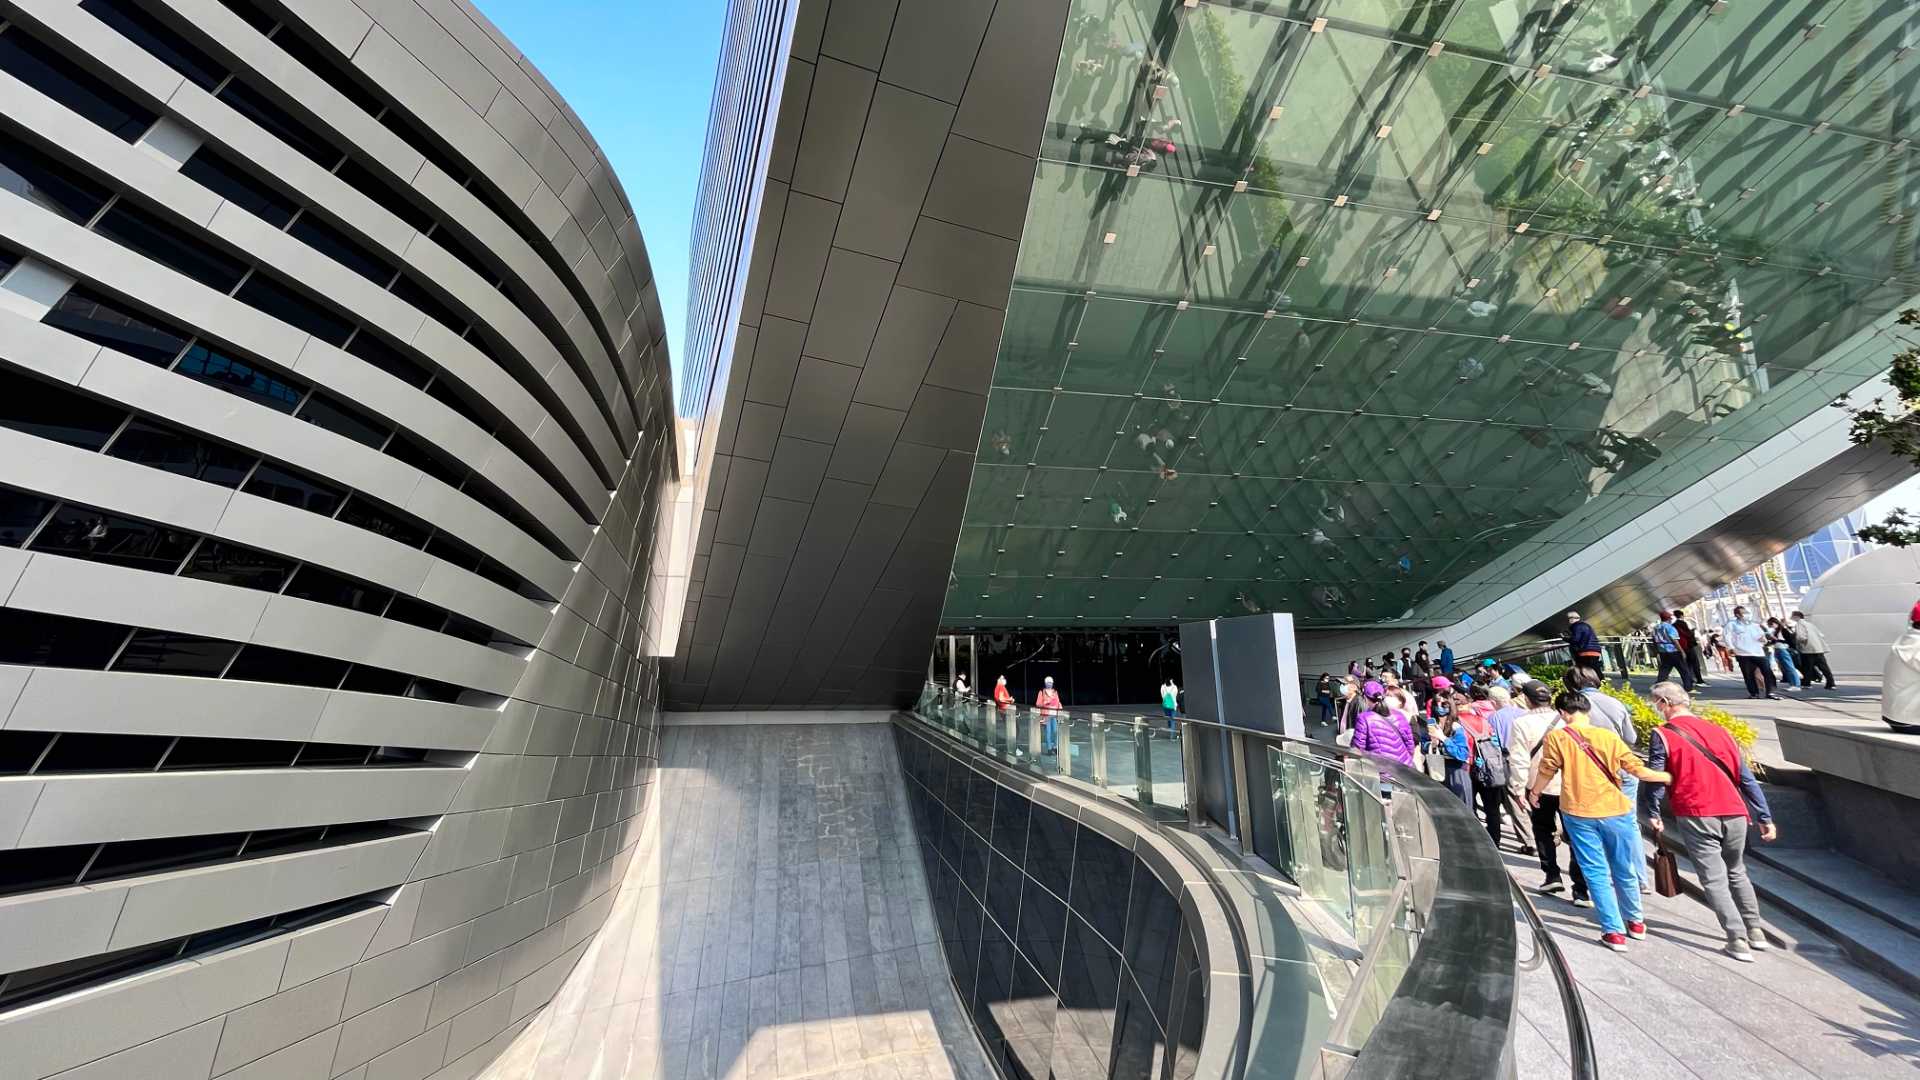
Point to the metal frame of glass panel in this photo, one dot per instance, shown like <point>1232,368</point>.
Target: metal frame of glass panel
<point>1329,308</point>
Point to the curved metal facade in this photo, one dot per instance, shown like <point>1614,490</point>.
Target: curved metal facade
<point>334,427</point>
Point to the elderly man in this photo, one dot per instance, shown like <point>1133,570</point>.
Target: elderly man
<point>1584,643</point>
<point>1748,641</point>
<point>1710,798</point>
<point>1813,649</point>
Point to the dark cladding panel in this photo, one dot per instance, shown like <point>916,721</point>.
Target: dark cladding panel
<point>874,368</point>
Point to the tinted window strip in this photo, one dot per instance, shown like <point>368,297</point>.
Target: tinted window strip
<point>33,639</point>
<point>317,61</point>
<point>35,176</point>
<point>139,26</point>
<point>38,984</point>
<point>79,531</point>
<point>27,59</point>
<point>104,322</point>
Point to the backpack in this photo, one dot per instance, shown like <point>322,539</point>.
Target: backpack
<point>1489,760</point>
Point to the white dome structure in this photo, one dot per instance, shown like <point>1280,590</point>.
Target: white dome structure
<point>1862,605</point>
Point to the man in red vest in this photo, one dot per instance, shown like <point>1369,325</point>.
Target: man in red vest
<point>1712,795</point>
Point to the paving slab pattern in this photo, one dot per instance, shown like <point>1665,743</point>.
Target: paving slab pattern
<point>1675,1006</point>
<point>775,924</point>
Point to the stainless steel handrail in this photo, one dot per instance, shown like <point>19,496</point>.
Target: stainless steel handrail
<point>1430,797</point>
<point>1581,1056</point>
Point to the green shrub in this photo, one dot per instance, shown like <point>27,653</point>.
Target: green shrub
<point>1645,719</point>
<point>1554,675</point>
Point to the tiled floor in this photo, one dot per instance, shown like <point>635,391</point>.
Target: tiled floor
<point>1675,1006</point>
<point>774,925</point>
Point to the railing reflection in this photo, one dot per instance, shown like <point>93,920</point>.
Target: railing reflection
<point>1358,836</point>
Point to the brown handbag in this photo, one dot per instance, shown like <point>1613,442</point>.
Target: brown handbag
<point>1666,873</point>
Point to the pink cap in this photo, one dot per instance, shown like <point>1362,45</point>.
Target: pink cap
<point>1441,682</point>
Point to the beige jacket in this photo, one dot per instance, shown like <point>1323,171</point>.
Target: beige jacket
<point>1529,728</point>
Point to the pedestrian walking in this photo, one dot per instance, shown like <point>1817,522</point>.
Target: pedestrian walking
<point>1505,712</point>
<point>1323,697</point>
<point>1669,652</point>
<point>1381,729</point>
<point>1347,709</point>
<point>1170,702</point>
<point>1710,798</point>
<point>1446,658</point>
<point>1543,811</point>
<point>1486,760</point>
<point>1584,643</point>
<point>1723,656</point>
<point>1747,640</point>
<point>1427,726</point>
<point>1048,702</point>
<point>1813,649</point>
<point>1780,641</point>
<point>1456,750</point>
<point>1597,816</point>
<point>1690,648</point>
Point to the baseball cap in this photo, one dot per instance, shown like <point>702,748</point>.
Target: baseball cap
<point>1372,688</point>
<point>1441,682</point>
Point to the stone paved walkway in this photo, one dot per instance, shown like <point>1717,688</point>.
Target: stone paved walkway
<point>775,924</point>
<point>1674,1006</point>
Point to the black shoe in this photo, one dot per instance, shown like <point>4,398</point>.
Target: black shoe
<point>1553,888</point>
<point>1774,697</point>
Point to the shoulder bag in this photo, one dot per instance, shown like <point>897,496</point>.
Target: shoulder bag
<point>1593,756</point>
<point>1732,778</point>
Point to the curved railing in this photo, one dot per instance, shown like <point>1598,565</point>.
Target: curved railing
<point>1385,861</point>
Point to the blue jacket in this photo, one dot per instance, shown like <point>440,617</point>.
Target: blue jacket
<point>1582,639</point>
<point>1446,660</point>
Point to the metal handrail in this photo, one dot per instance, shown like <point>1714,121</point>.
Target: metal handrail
<point>1581,1057</point>
<point>1581,1051</point>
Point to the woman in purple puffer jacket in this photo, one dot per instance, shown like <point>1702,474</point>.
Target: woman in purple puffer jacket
<point>1382,731</point>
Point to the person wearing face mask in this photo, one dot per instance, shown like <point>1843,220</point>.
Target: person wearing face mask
<point>1381,729</point>
<point>1323,697</point>
<point>1048,702</point>
<point>1349,704</point>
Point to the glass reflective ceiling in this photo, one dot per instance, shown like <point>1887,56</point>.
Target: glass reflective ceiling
<point>1331,315</point>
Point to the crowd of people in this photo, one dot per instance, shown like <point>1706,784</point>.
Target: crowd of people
<point>1565,764</point>
<point>1552,765</point>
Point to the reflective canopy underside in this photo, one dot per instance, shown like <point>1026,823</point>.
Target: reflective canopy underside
<point>1501,277</point>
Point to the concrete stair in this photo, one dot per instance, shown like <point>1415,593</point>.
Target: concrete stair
<point>1875,922</point>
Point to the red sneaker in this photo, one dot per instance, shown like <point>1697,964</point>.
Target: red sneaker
<point>1616,942</point>
<point>1637,931</point>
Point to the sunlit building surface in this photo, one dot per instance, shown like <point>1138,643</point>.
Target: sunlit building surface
<point>1378,314</point>
<point>335,414</point>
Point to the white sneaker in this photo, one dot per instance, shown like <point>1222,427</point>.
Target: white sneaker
<point>1757,939</point>
<point>1739,951</point>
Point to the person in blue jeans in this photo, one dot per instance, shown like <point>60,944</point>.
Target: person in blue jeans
<point>1780,642</point>
<point>1047,702</point>
<point>1170,703</point>
<point>1597,816</point>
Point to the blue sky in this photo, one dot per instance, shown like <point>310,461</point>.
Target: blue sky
<point>641,76</point>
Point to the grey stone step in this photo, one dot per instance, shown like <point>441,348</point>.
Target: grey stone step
<point>1846,880</point>
<point>1801,816</point>
<point>1880,946</point>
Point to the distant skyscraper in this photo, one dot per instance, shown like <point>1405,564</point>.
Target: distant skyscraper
<point>1823,551</point>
